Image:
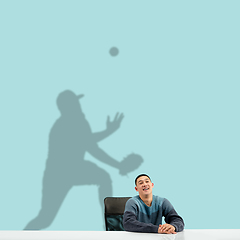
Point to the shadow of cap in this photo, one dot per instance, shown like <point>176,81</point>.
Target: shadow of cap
<point>66,99</point>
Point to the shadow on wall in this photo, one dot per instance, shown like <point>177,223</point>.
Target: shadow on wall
<point>70,138</point>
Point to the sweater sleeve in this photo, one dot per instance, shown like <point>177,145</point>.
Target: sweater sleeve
<point>171,216</point>
<point>130,222</point>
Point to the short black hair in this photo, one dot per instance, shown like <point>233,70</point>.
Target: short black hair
<point>143,174</point>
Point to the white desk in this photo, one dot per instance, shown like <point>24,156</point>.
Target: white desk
<point>188,234</point>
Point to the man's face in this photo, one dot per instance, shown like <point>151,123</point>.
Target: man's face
<point>144,186</point>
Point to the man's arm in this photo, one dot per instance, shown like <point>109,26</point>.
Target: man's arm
<point>131,224</point>
<point>171,216</point>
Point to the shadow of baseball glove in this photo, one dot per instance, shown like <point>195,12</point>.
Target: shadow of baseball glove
<point>130,163</point>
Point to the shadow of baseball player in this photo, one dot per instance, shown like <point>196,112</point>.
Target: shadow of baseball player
<point>69,139</point>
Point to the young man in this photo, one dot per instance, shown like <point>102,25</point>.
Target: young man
<point>143,213</point>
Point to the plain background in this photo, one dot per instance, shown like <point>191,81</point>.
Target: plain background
<point>176,79</point>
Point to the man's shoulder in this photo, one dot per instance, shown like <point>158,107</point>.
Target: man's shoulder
<point>163,203</point>
<point>159,199</point>
<point>134,200</point>
<point>132,204</point>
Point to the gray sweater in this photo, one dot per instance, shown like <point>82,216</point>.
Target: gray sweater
<point>138,217</point>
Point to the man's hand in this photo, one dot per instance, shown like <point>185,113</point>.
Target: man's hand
<point>115,124</point>
<point>166,228</point>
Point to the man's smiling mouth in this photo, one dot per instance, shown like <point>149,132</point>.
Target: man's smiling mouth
<point>145,189</point>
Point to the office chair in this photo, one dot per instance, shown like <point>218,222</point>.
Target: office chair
<point>114,209</point>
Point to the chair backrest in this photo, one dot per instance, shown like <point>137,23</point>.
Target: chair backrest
<point>114,209</point>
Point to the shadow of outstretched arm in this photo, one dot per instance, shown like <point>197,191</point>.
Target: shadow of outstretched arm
<point>128,164</point>
<point>102,156</point>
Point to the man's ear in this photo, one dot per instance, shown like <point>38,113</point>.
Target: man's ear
<point>152,184</point>
<point>136,189</point>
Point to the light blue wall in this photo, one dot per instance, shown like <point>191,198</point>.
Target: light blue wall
<point>176,79</point>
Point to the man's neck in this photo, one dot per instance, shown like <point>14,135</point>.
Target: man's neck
<point>147,199</point>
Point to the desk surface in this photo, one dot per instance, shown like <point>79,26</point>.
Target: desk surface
<point>188,234</point>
